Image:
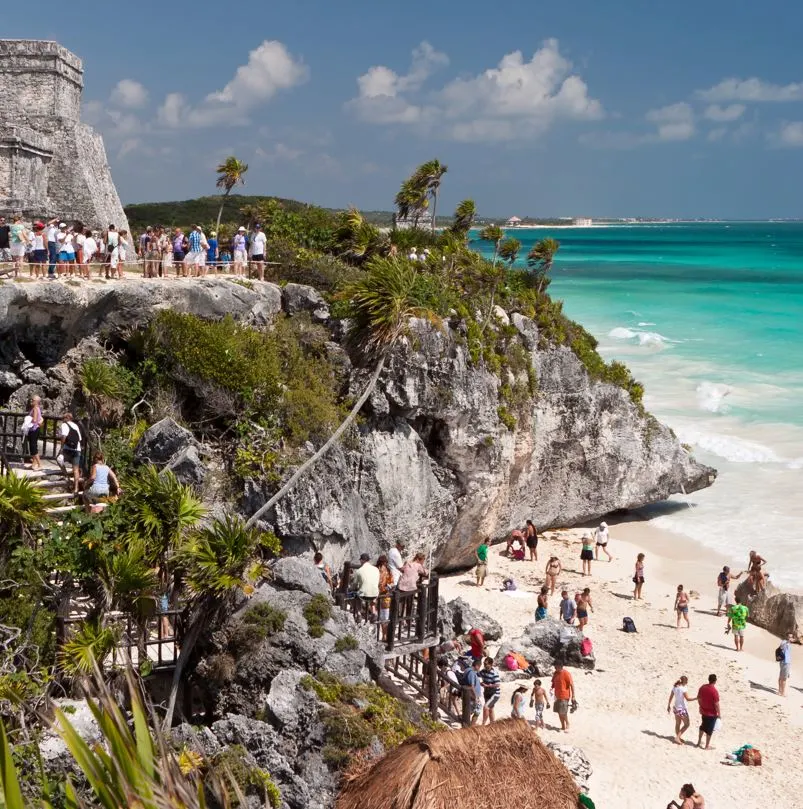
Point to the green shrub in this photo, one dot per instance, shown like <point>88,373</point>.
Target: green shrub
<point>348,643</point>
<point>258,623</point>
<point>317,611</point>
<point>506,417</point>
<point>232,764</point>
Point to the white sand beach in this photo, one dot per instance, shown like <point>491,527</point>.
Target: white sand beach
<point>622,722</point>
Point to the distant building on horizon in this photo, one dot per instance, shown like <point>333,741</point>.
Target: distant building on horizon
<point>583,222</point>
<point>423,219</point>
<point>513,222</point>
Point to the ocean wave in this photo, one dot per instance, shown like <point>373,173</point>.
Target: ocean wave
<point>711,396</point>
<point>730,447</point>
<point>643,338</point>
<point>647,323</point>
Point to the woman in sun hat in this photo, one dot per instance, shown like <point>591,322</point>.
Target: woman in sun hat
<point>239,248</point>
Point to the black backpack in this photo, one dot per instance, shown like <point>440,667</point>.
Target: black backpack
<point>779,655</point>
<point>628,625</point>
<point>73,436</point>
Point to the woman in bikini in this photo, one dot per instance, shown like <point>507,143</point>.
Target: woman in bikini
<point>689,799</point>
<point>682,606</point>
<point>678,703</point>
<point>638,577</point>
<point>755,574</point>
<point>552,571</point>
<point>583,606</point>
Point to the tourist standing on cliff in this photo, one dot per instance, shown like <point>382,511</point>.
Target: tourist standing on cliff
<point>179,250</point>
<point>256,251</point>
<point>194,260</point>
<point>90,251</point>
<point>238,246</point>
<point>587,554</point>
<point>708,700</point>
<point>18,239</point>
<point>737,621</point>
<point>38,256</point>
<point>5,246</point>
<point>724,580</point>
<point>211,252</point>
<point>396,561</point>
<point>66,256</point>
<point>601,539</point>
<point>52,247</point>
<point>111,239</point>
<point>481,570</point>
<point>785,662</point>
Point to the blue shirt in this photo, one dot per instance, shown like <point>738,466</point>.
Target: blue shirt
<point>567,609</point>
<point>473,679</point>
<point>194,240</point>
<point>787,653</point>
<point>211,253</point>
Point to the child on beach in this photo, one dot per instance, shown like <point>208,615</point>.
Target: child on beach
<point>539,700</point>
<point>583,606</point>
<point>517,701</point>
<point>638,577</point>
<point>682,606</point>
<point>543,603</point>
<point>680,696</point>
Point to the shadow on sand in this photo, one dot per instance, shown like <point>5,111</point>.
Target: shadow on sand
<point>666,737</point>
<point>760,687</point>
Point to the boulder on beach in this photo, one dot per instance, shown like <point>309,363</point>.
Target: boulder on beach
<point>466,617</point>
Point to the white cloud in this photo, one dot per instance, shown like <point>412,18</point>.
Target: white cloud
<point>130,94</point>
<point>724,114</point>
<point>270,68</point>
<point>717,134</point>
<point>751,90</point>
<point>380,98</point>
<point>516,99</point>
<point>791,134</point>
<point>674,122</point>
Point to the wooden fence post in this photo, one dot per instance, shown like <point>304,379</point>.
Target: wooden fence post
<point>467,702</point>
<point>392,622</point>
<point>433,685</point>
<point>421,617</point>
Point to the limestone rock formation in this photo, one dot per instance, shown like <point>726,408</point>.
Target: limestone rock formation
<point>50,163</point>
<point>545,641</point>
<point>466,617</point>
<point>777,612</point>
<point>575,761</point>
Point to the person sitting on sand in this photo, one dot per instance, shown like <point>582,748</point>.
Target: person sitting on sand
<point>583,606</point>
<point>755,575</point>
<point>587,554</point>
<point>737,621</point>
<point>689,799</point>
<point>679,695</point>
<point>601,539</point>
<point>552,571</point>
<point>516,539</point>
<point>638,577</point>
<point>481,571</point>
<point>568,608</point>
<point>540,701</point>
<point>682,606</point>
<point>543,603</point>
<point>724,580</point>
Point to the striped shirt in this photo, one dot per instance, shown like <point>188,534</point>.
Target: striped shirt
<point>194,240</point>
<point>491,681</point>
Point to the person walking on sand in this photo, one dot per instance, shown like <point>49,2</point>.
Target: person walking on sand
<point>690,798</point>
<point>517,701</point>
<point>679,695</point>
<point>708,700</point>
<point>491,690</point>
<point>568,608</point>
<point>724,580</point>
<point>481,570</point>
<point>531,537</point>
<point>563,689</point>
<point>583,606</point>
<point>737,621</point>
<point>601,539</point>
<point>543,603</point>
<point>682,606</point>
<point>540,701</point>
<point>638,577</point>
<point>587,554</point>
<point>784,657</point>
<point>553,569</point>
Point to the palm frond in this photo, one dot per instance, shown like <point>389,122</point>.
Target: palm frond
<point>87,649</point>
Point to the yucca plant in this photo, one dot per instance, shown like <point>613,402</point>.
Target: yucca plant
<point>87,648</point>
<point>103,390</point>
<point>22,509</point>
<point>355,238</point>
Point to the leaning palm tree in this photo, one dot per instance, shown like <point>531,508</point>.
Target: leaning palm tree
<point>495,234</point>
<point>229,174</point>
<point>509,250</point>
<point>383,301</point>
<point>540,259</point>
<point>428,177</point>
<point>219,562</point>
<point>411,201</point>
<point>464,216</point>
<point>354,238</point>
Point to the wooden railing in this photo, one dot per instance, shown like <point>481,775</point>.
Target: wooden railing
<point>413,615</point>
<point>12,446</point>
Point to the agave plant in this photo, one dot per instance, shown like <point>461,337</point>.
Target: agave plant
<point>102,389</point>
<point>22,509</point>
<point>87,648</point>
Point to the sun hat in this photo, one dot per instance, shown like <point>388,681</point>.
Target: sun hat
<point>241,228</point>
<point>213,233</point>
<point>62,224</point>
<point>603,525</point>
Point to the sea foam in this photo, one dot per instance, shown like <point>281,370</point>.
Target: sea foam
<point>644,338</point>
<point>711,396</point>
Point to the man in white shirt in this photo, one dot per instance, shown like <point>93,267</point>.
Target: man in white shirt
<point>366,583</point>
<point>52,247</point>
<point>396,561</point>
<point>601,536</point>
<point>256,250</point>
<point>90,250</point>
<point>70,447</point>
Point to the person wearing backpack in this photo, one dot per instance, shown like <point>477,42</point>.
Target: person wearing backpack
<point>783,656</point>
<point>70,448</point>
<point>724,580</point>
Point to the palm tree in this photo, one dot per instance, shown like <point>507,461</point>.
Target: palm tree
<point>229,173</point>
<point>495,234</point>
<point>411,200</point>
<point>383,301</point>
<point>218,562</point>
<point>464,216</point>
<point>355,238</point>
<point>509,250</point>
<point>427,178</point>
<point>540,259</point>
<point>22,510</point>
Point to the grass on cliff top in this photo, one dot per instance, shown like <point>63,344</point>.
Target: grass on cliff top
<point>356,715</point>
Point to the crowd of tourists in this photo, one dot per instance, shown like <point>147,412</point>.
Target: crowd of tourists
<point>55,249</point>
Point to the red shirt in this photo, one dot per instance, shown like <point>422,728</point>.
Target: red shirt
<point>477,640</point>
<point>708,700</point>
<point>562,684</point>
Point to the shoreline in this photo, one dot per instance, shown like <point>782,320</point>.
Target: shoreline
<point>622,718</point>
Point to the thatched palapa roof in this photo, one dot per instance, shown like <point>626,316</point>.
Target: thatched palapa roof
<point>503,765</point>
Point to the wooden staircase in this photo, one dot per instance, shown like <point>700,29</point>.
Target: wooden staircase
<point>55,483</point>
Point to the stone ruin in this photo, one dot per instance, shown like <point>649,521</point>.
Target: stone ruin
<point>51,165</point>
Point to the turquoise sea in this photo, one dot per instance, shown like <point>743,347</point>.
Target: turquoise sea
<point>710,318</point>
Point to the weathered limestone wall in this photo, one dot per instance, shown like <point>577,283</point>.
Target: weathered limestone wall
<point>50,163</point>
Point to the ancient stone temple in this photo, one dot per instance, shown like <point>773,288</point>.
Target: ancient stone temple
<point>50,163</point>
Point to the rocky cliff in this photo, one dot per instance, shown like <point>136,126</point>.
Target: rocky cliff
<point>435,463</point>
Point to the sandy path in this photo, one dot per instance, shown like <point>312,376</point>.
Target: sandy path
<point>622,722</point>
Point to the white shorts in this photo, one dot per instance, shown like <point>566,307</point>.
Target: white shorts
<point>239,256</point>
<point>17,250</point>
<point>196,258</point>
<point>724,598</point>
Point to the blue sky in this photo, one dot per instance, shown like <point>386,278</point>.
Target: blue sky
<point>584,109</point>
